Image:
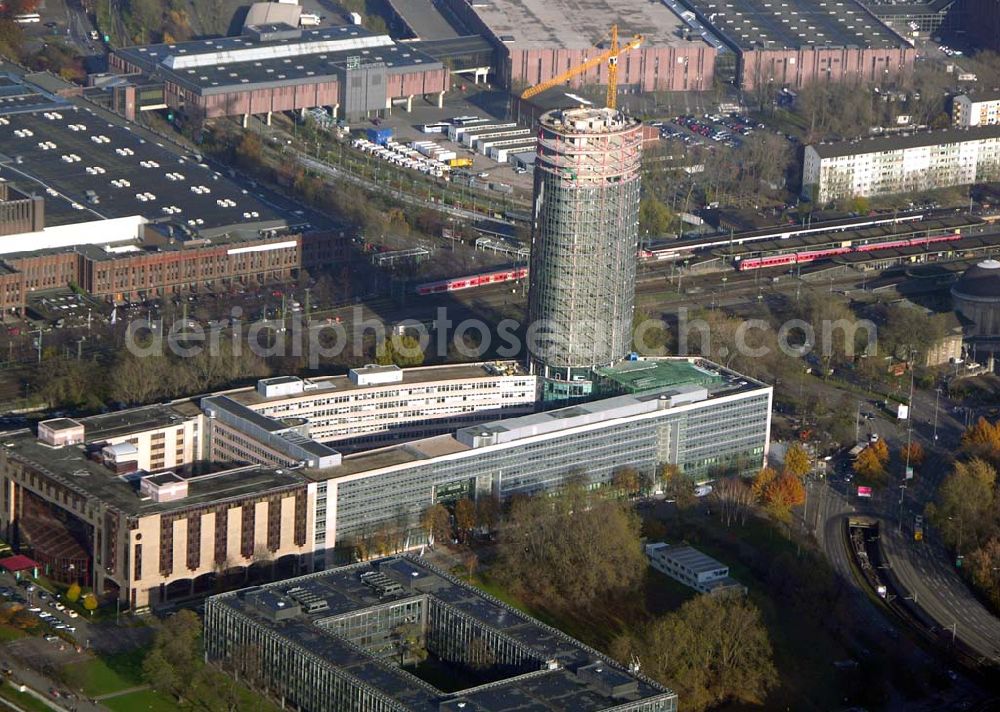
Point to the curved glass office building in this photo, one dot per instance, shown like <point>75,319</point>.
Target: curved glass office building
<point>584,243</point>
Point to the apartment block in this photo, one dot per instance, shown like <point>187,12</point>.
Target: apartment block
<point>901,164</point>
<point>976,109</point>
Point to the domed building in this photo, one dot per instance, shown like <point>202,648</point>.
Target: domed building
<point>976,297</point>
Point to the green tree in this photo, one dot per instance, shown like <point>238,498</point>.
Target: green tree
<point>159,673</point>
<point>73,593</point>
<point>90,602</point>
<point>625,481</point>
<point>174,660</point>
<point>650,335</point>
<point>965,508</point>
<point>411,643</point>
<point>403,351</point>
<point>571,549</point>
<point>677,486</point>
<point>860,205</point>
<point>713,649</point>
<point>654,217</point>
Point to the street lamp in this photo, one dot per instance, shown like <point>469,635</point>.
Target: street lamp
<point>937,400</point>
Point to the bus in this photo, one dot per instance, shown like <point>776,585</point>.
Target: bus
<point>27,18</point>
<point>439,127</point>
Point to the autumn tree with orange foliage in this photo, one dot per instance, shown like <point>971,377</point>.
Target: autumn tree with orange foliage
<point>762,481</point>
<point>797,461</point>
<point>870,467</point>
<point>778,493</point>
<point>783,494</point>
<point>912,453</point>
<point>982,440</point>
<point>881,451</point>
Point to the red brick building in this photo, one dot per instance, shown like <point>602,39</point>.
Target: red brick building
<point>536,40</point>
<point>796,42</point>
<point>280,68</point>
<point>159,269</point>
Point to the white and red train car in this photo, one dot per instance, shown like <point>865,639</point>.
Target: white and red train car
<point>469,282</point>
<point>807,256</point>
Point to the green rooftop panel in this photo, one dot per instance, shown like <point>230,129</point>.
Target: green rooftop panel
<point>641,376</point>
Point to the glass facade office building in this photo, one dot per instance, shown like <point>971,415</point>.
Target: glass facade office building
<point>584,243</point>
<point>342,641</point>
<point>706,436</point>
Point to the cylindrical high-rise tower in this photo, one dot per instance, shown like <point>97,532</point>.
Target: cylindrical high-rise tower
<point>583,246</point>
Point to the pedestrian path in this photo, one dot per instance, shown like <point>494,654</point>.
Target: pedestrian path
<point>119,693</point>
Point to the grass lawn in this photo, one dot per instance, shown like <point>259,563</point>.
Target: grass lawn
<point>664,594</point>
<point>8,632</point>
<point>22,699</point>
<point>142,700</point>
<point>111,673</point>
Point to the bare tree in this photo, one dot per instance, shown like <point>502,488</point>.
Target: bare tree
<point>734,500</point>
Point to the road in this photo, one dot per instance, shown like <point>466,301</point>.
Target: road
<point>926,571</point>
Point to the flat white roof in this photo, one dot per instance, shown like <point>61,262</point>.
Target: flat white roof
<point>565,24</point>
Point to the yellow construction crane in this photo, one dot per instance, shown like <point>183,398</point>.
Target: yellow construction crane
<point>610,55</point>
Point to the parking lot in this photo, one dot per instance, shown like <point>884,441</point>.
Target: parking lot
<point>53,613</point>
<point>708,130</point>
<point>472,101</point>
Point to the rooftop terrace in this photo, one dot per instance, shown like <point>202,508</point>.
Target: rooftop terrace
<point>638,376</point>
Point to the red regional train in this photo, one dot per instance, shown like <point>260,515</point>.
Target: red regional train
<point>805,257</point>
<point>476,280</point>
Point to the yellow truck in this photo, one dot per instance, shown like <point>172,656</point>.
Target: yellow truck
<point>460,162</point>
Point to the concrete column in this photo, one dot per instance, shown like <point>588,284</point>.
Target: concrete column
<point>409,103</point>
<point>302,113</point>
<point>441,100</point>
<point>246,121</point>
<point>269,118</point>
<point>334,109</point>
